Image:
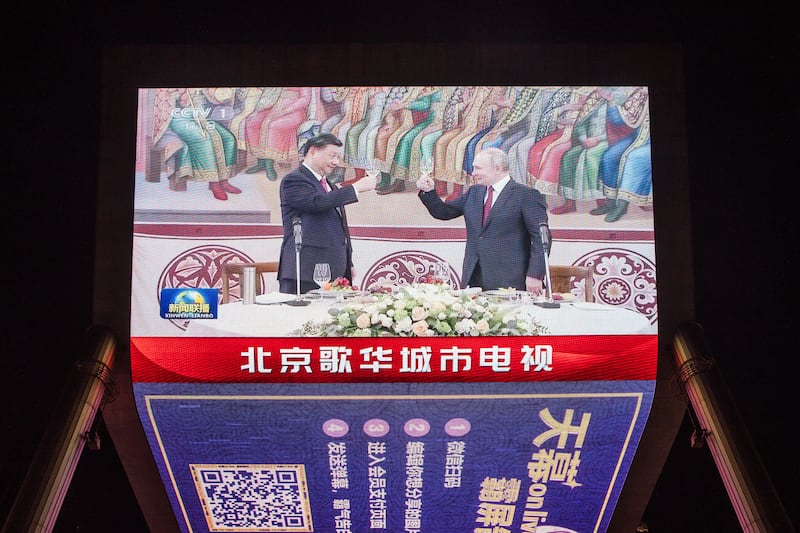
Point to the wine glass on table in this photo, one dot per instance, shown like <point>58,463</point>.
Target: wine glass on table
<point>322,275</point>
<point>441,273</point>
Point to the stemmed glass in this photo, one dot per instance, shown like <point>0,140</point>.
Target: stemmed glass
<point>373,168</point>
<point>425,171</point>
<point>322,274</point>
<point>441,272</point>
<point>426,167</point>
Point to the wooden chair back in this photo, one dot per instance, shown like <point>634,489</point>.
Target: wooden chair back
<point>563,278</point>
<point>233,272</point>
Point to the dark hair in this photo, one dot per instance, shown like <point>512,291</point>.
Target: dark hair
<point>318,141</point>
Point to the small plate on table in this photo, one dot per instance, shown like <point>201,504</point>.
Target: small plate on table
<point>468,291</point>
<point>335,294</point>
<point>326,294</point>
<point>274,298</point>
<point>503,294</point>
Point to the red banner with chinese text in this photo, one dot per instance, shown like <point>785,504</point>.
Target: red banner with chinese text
<point>393,359</point>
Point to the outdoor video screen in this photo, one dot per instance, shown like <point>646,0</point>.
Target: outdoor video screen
<point>390,391</point>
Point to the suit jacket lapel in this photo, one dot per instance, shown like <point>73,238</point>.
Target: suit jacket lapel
<point>502,199</point>
<point>340,210</point>
<point>308,174</point>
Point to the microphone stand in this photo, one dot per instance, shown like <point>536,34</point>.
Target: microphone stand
<point>298,243</point>
<point>548,302</point>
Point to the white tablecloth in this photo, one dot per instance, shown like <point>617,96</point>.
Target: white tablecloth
<point>278,320</point>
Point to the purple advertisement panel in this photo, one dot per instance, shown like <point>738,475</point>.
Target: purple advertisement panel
<point>467,457</point>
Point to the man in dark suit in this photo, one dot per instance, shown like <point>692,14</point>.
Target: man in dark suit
<point>505,249</point>
<point>313,206</point>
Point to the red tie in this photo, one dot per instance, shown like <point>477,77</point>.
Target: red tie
<point>487,206</point>
<point>324,183</point>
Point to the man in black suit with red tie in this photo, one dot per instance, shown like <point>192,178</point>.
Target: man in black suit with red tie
<point>313,206</point>
<point>504,248</point>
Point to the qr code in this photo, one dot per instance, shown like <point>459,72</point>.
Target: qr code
<point>246,497</point>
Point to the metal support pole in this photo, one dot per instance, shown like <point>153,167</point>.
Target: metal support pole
<point>49,475</point>
<point>746,481</point>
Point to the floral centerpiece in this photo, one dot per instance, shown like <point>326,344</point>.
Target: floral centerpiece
<point>422,310</point>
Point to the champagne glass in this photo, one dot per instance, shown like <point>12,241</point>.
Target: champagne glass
<point>373,168</point>
<point>425,171</point>
<point>426,167</point>
<point>322,274</point>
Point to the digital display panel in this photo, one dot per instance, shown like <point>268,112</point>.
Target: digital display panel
<point>408,400</point>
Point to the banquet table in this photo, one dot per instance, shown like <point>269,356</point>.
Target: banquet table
<point>279,319</point>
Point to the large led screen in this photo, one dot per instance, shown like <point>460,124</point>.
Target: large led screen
<point>403,398</point>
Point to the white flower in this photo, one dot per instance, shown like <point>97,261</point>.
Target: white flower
<point>419,328</point>
<point>418,313</point>
<point>465,326</point>
<point>482,326</point>
<point>403,325</point>
<point>363,321</point>
<point>436,306</point>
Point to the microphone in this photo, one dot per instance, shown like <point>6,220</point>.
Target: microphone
<point>547,303</point>
<point>544,233</point>
<point>297,223</point>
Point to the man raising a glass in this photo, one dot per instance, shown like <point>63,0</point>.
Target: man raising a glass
<point>313,206</point>
<point>502,217</point>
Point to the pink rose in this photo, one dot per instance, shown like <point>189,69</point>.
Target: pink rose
<point>420,328</point>
<point>363,321</point>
